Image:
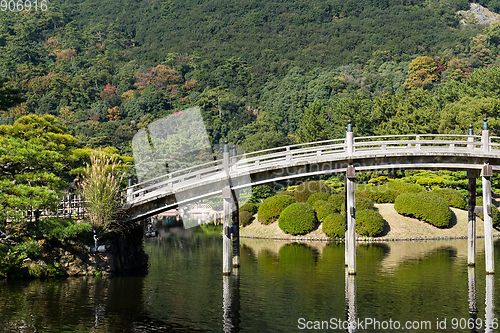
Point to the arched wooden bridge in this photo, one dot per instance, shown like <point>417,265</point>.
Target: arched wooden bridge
<point>396,152</point>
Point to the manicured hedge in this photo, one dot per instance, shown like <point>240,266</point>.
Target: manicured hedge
<point>297,219</point>
<point>304,190</point>
<point>425,206</point>
<point>369,223</point>
<point>323,208</point>
<point>271,208</point>
<point>454,197</point>
<point>317,196</point>
<point>388,192</point>
<point>334,226</point>
<point>495,214</point>
<point>250,207</point>
<point>360,204</point>
<point>285,193</point>
<point>337,200</point>
<point>245,218</point>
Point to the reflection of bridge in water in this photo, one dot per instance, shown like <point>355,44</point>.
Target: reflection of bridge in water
<point>478,155</point>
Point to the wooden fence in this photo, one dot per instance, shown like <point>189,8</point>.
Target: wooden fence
<point>71,205</point>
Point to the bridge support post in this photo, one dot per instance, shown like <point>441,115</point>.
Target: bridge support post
<point>130,190</point>
<point>226,235</point>
<point>346,234</point>
<point>236,220</point>
<point>485,139</point>
<point>471,236</point>
<point>236,233</point>
<point>488,223</point>
<point>351,221</point>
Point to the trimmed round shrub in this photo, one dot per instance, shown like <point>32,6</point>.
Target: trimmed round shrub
<point>317,196</point>
<point>323,209</point>
<point>249,207</point>
<point>495,213</point>
<point>403,187</point>
<point>369,223</point>
<point>454,197</point>
<point>297,219</point>
<point>245,218</point>
<point>388,192</point>
<point>360,204</point>
<point>337,200</point>
<point>271,208</point>
<point>424,206</point>
<point>334,226</point>
<point>290,193</point>
<point>304,190</point>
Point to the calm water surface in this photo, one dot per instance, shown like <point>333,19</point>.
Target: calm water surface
<point>277,284</point>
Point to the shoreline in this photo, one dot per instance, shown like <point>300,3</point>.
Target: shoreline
<point>398,229</point>
<point>365,240</point>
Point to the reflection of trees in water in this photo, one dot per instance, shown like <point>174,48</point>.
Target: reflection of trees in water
<point>70,304</point>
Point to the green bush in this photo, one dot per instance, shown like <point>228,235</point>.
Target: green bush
<point>403,187</point>
<point>271,208</point>
<point>290,193</point>
<point>249,207</point>
<point>495,214</point>
<point>304,190</point>
<point>378,194</point>
<point>369,223</point>
<point>245,218</point>
<point>323,209</point>
<point>62,227</point>
<point>388,192</point>
<point>425,206</point>
<point>454,197</point>
<point>360,204</point>
<point>297,219</point>
<point>317,196</point>
<point>337,200</point>
<point>334,226</point>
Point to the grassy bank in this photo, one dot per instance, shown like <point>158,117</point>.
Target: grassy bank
<point>397,227</point>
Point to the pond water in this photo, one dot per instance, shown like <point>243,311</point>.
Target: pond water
<point>280,287</point>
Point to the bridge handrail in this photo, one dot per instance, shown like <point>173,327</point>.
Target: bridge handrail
<point>415,135</point>
<point>288,152</point>
<point>175,172</point>
<point>317,143</point>
<point>305,150</point>
<point>424,142</point>
<point>173,180</point>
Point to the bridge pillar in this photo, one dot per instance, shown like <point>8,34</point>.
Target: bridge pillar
<point>350,235</point>
<point>471,236</point>
<point>236,232</point>
<point>235,219</point>
<point>130,190</point>
<point>485,139</point>
<point>226,235</point>
<point>488,223</point>
<point>349,137</point>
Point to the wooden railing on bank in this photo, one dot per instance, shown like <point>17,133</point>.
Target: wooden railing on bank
<point>71,205</point>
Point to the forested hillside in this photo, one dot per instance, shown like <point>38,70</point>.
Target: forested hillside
<point>264,73</point>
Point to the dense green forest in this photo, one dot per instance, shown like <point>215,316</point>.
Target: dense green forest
<point>265,73</point>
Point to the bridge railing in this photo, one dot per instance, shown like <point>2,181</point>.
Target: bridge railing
<point>495,144</point>
<point>168,181</point>
<point>289,153</point>
<point>319,150</point>
<point>410,142</point>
